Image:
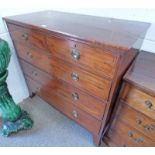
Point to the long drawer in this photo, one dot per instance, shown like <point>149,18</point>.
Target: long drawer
<point>71,94</point>
<point>27,37</point>
<point>93,59</point>
<point>73,112</point>
<point>88,82</point>
<point>138,120</point>
<point>124,135</point>
<point>139,100</point>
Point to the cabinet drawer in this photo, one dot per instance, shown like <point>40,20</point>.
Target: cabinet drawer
<point>124,135</point>
<point>139,100</point>
<point>27,36</point>
<point>73,112</point>
<point>88,82</point>
<point>95,60</point>
<point>35,73</point>
<point>138,120</point>
<point>71,94</point>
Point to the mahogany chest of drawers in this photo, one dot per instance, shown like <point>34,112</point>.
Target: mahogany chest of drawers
<point>75,62</point>
<point>133,122</point>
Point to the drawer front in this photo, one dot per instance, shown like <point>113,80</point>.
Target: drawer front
<point>27,36</point>
<point>139,100</point>
<point>124,135</point>
<point>94,85</point>
<point>92,59</point>
<point>72,95</point>
<point>81,79</point>
<point>73,112</point>
<point>34,56</point>
<point>35,73</point>
<point>137,120</point>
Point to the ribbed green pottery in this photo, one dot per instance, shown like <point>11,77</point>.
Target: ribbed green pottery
<point>14,119</point>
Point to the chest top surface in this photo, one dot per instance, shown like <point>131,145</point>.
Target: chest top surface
<point>142,72</point>
<point>113,32</point>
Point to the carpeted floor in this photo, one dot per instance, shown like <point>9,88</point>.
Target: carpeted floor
<point>51,128</point>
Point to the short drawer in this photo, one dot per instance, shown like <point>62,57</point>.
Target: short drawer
<point>93,59</point>
<point>71,94</point>
<point>27,36</point>
<point>86,81</point>
<point>73,112</point>
<point>139,100</point>
<point>138,120</point>
<point>124,135</point>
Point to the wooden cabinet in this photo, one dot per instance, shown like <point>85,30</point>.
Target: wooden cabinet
<point>75,65</point>
<point>72,94</point>
<point>90,58</point>
<point>133,120</point>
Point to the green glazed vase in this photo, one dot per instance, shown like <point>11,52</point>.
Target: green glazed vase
<point>14,119</point>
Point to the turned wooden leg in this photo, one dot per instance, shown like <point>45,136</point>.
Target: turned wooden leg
<point>96,140</point>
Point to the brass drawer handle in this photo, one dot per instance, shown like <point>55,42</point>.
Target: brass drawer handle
<point>34,73</point>
<point>75,76</point>
<point>74,113</point>
<point>130,134</point>
<point>148,127</point>
<point>29,55</point>
<point>138,120</point>
<point>138,140</point>
<point>149,105</point>
<point>75,96</point>
<point>75,54</point>
<point>25,36</point>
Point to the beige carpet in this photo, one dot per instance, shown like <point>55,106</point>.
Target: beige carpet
<point>51,128</point>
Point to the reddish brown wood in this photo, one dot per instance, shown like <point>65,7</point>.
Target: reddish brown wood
<point>93,59</point>
<point>85,102</point>
<point>106,47</point>
<point>95,85</point>
<point>96,139</point>
<point>113,32</point>
<point>139,121</point>
<point>135,105</point>
<point>124,135</point>
<point>124,63</point>
<point>35,73</point>
<point>142,73</point>
<point>65,107</point>
<point>27,36</point>
<point>109,142</point>
<point>137,99</point>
